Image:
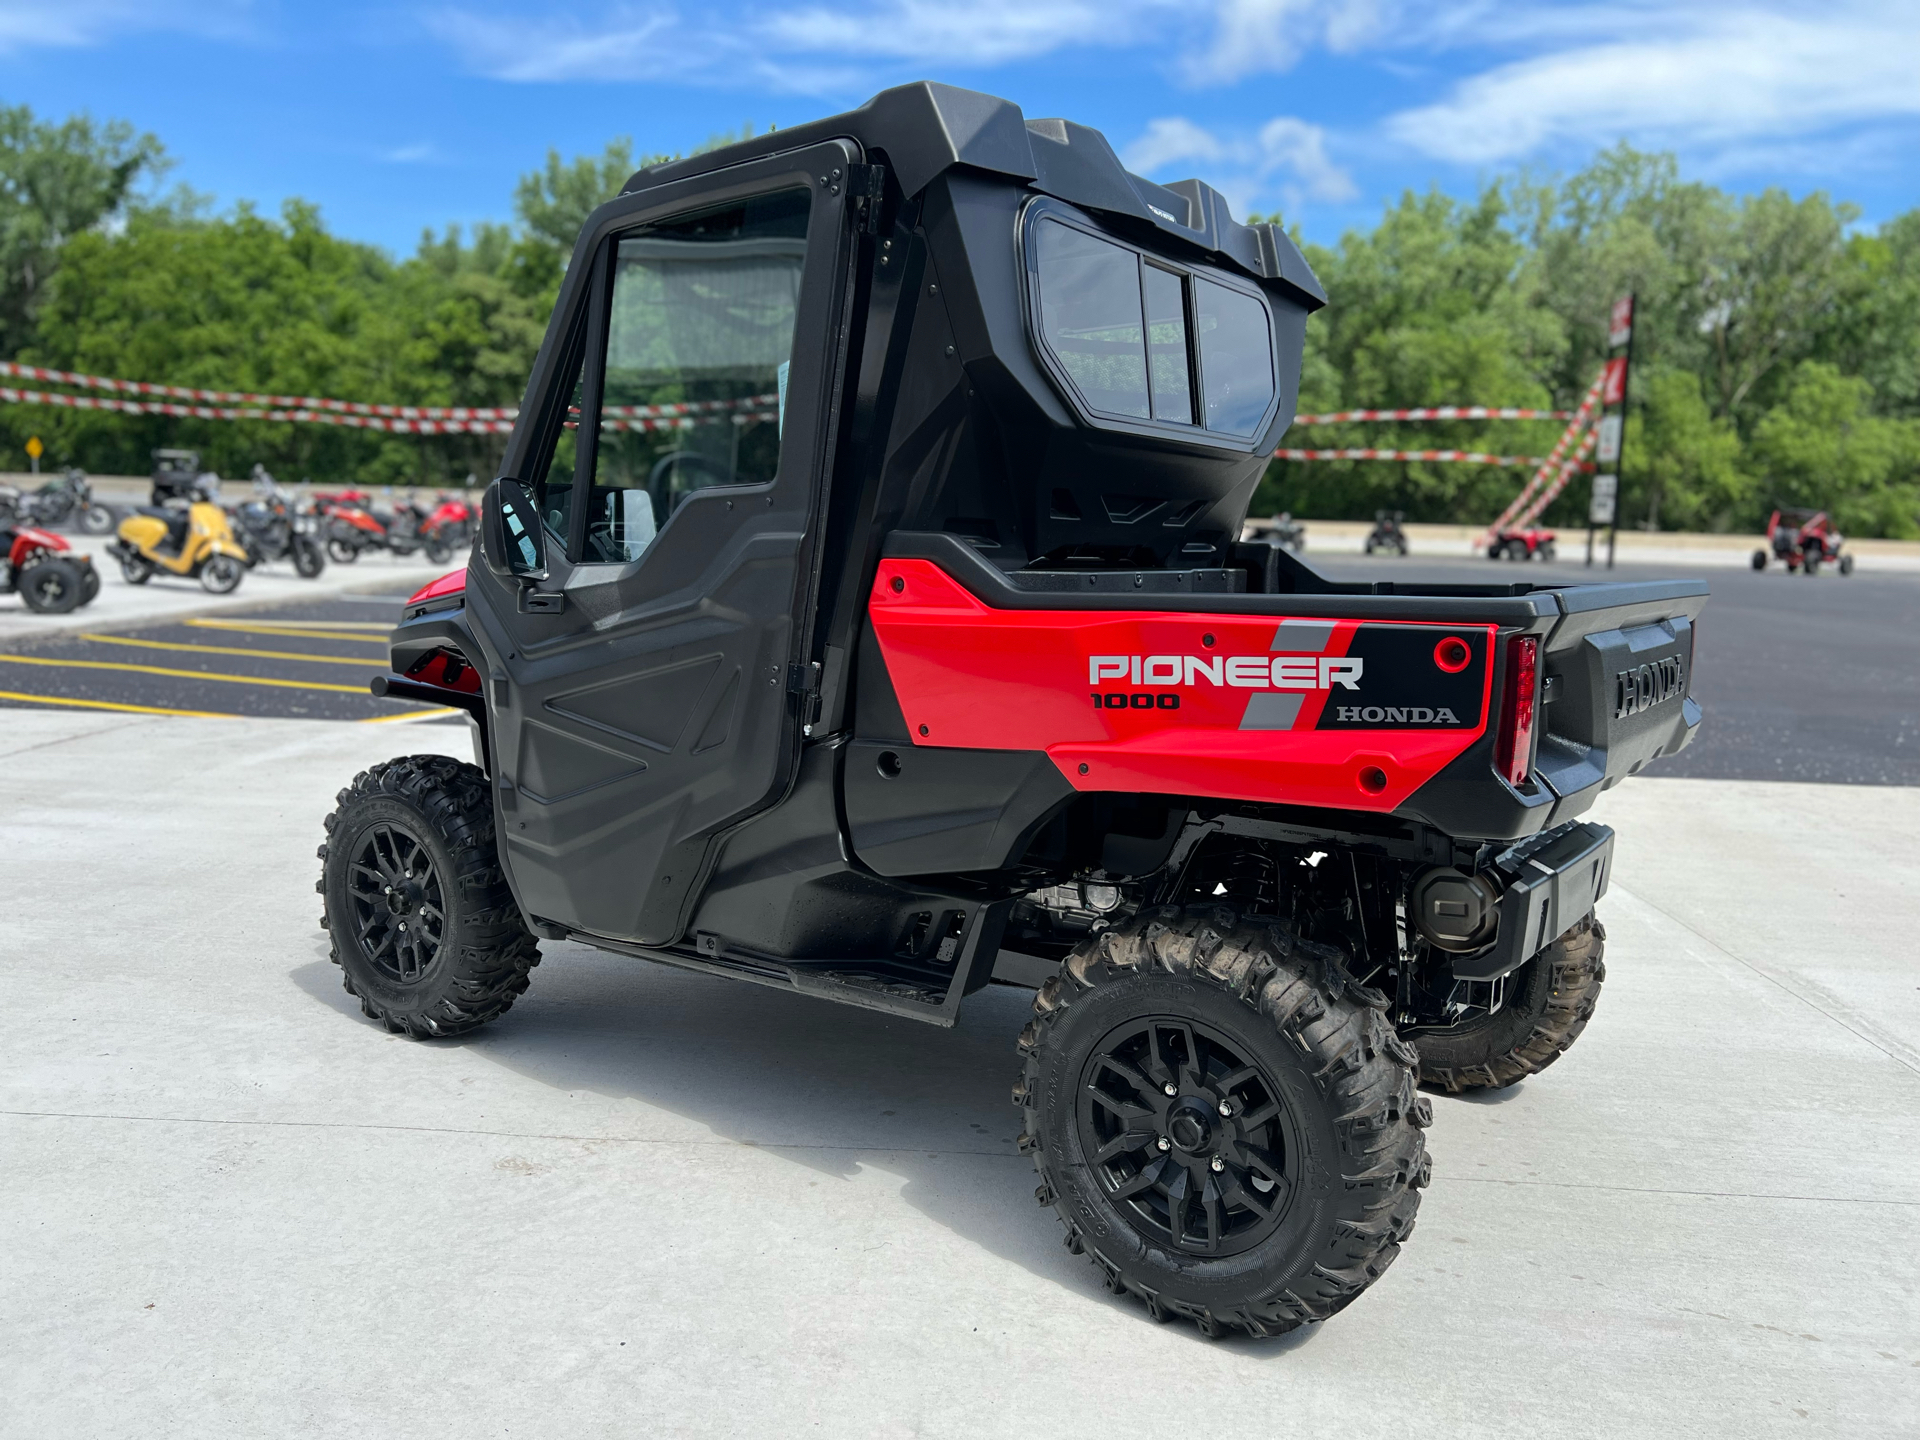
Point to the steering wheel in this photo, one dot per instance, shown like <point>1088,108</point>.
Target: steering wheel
<point>660,478</point>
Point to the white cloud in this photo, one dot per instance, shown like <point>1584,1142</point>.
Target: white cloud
<point>1715,77</point>
<point>628,44</point>
<point>71,24</point>
<point>1287,157</point>
<point>987,32</point>
<point>420,152</point>
<point>1251,36</point>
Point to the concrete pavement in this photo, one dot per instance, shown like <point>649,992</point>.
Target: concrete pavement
<point>654,1203</point>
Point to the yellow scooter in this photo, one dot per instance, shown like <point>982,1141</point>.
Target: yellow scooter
<point>194,543</point>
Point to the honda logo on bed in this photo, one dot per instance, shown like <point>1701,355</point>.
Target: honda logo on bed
<point>1240,672</point>
<point>1646,686</point>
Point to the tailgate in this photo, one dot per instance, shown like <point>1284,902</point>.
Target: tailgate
<point>1618,672</point>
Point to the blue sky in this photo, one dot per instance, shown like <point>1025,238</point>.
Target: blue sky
<point>404,115</point>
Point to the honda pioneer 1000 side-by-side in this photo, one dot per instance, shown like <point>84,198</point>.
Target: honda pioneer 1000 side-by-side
<point>861,611</point>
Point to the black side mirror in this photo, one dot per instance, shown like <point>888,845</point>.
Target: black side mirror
<point>511,539</point>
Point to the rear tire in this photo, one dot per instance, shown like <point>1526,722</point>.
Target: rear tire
<point>135,569</point>
<point>1846,564</point>
<point>1759,559</point>
<point>1549,1001</point>
<point>425,825</point>
<point>97,520</point>
<point>439,552</point>
<point>1320,1110</point>
<point>341,553</point>
<point>89,585</point>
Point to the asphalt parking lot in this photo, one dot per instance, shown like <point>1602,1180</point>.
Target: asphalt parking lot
<point>291,660</point>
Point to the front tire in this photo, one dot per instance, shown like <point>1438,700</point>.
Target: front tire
<point>1279,1179</point>
<point>221,575</point>
<point>1549,1001</point>
<point>424,929</point>
<point>308,558</point>
<point>1759,559</point>
<point>52,586</point>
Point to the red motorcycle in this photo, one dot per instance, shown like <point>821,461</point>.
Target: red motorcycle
<point>43,570</point>
<point>354,525</point>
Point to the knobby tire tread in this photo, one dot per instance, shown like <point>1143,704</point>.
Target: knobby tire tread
<point>495,949</point>
<point>1532,1030</point>
<point>1365,1073</point>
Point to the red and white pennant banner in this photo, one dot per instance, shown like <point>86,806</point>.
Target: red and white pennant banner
<point>1552,468</point>
<point>315,410</point>
<point>1470,457</point>
<point>1435,412</point>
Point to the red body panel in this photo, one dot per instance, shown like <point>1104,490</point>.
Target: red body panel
<point>972,677</point>
<point>27,539</point>
<point>451,583</point>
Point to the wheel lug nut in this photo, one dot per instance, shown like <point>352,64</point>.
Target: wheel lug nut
<point>1171,1089</point>
<point>1218,1165</point>
<point>1225,1109</point>
<point>1164,1143</point>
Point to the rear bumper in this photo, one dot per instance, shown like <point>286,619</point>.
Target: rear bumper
<point>1557,880</point>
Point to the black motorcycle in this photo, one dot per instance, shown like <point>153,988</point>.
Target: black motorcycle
<point>64,498</point>
<point>1387,538</point>
<point>271,526</point>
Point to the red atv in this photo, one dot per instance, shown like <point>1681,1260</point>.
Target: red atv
<point>1528,544</point>
<point>887,633</point>
<point>1803,540</point>
<point>45,572</point>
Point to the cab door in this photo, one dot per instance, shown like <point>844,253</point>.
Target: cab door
<point>641,699</point>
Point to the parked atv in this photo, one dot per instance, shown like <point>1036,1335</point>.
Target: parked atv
<point>275,526</point>
<point>946,665</point>
<point>44,571</point>
<point>1386,537</point>
<point>1282,530</point>
<point>178,479</point>
<point>191,541</point>
<point>1528,544</point>
<point>1803,540</point>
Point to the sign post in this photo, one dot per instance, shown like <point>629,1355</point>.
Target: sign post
<point>1604,507</point>
<point>34,451</point>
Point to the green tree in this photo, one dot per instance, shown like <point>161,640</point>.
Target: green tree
<point>56,182</point>
<point>1822,447</point>
<point>1683,465</point>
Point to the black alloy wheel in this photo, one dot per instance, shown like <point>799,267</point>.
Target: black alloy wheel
<point>397,907</point>
<point>1189,1136</point>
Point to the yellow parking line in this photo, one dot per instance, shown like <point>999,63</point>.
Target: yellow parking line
<point>180,674</point>
<point>289,632</point>
<point>207,623</point>
<point>230,650</point>
<point>408,716</point>
<point>110,705</point>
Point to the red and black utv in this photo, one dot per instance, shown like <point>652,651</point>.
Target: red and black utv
<point>919,651</point>
<point>1803,540</point>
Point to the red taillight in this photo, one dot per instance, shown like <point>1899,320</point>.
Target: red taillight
<point>1513,748</point>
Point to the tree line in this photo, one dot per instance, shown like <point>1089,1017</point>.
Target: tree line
<point>1777,346</point>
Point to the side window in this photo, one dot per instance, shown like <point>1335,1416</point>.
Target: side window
<point>699,340</point>
<point>1137,336</point>
<point>1236,357</point>
<point>1091,319</point>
